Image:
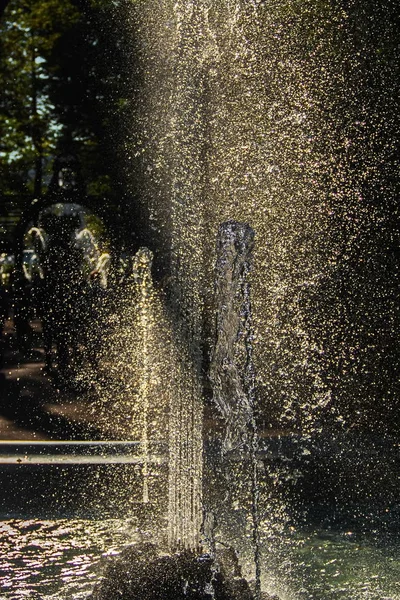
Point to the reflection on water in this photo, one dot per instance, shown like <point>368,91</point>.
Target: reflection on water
<point>56,559</point>
<point>62,559</point>
<point>327,565</point>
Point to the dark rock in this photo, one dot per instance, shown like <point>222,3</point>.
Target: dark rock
<point>142,572</point>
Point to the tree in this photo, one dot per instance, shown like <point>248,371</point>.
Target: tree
<point>28,123</point>
<point>66,76</point>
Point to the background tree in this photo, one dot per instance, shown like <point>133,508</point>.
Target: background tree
<point>29,127</point>
<point>65,88</point>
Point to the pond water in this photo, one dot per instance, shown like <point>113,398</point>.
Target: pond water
<point>63,559</point>
<point>56,559</point>
<point>336,565</point>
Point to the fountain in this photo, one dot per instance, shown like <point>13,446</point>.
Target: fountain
<point>245,114</point>
<point>280,116</point>
<point>148,571</point>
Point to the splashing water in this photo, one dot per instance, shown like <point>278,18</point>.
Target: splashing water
<point>245,113</point>
<point>276,115</point>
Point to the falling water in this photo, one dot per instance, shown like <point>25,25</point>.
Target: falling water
<point>185,415</point>
<point>227,128</point>
<point>275,114</point>
<point>249,111</point>
<point>151,384</point>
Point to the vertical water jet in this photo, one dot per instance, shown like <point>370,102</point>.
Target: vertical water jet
<point>232,366</point>
<point>232,369</point>
<point>141,270</point>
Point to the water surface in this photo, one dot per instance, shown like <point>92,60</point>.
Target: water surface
<point>63,559</point>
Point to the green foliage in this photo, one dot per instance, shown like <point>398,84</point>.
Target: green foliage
<point>63,87</point>
<point>28,126</point>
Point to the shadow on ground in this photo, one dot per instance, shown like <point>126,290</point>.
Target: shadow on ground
<point>35,405</point>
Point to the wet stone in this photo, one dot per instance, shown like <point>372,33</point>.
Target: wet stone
<point>142,572</point>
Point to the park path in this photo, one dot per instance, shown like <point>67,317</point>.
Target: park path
<point>33,406</point>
